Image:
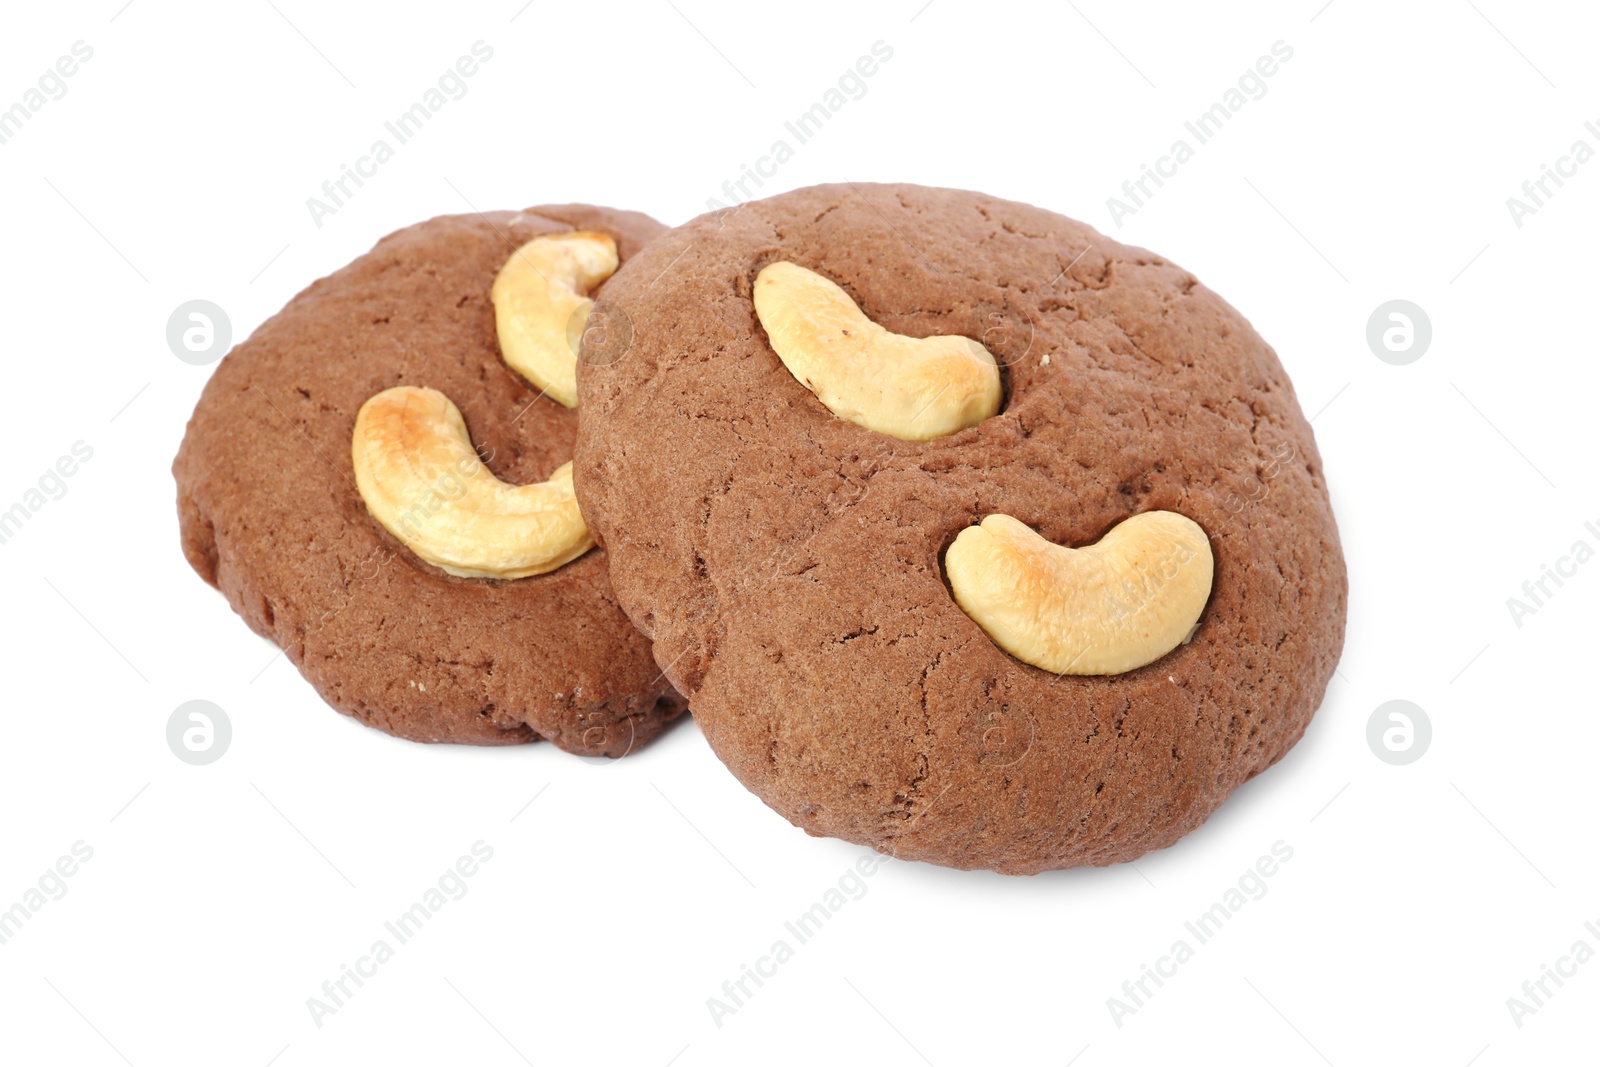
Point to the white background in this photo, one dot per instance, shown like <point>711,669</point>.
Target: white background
<point>219,898</point>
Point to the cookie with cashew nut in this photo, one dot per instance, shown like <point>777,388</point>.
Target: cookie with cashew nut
<point>974,535</point>
<point>379,481</point>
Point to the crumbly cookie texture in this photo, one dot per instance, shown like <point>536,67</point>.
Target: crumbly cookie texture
<point>270,511</point>
<point>789,566</point>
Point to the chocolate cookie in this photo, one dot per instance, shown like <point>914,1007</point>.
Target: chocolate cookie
<point>271,513</point>
<point>791,564</point>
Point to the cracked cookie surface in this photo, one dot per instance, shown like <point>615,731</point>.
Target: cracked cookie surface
<point>270,513</point>
<point>788,564</point>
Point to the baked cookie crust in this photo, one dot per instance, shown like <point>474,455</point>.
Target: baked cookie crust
<point>269,511</point>
<point>787,563</point>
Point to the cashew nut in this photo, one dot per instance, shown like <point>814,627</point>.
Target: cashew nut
<point>420,477</point>
<point>1107,608</point>
<point>541,302</point>
<point>910,387</point>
